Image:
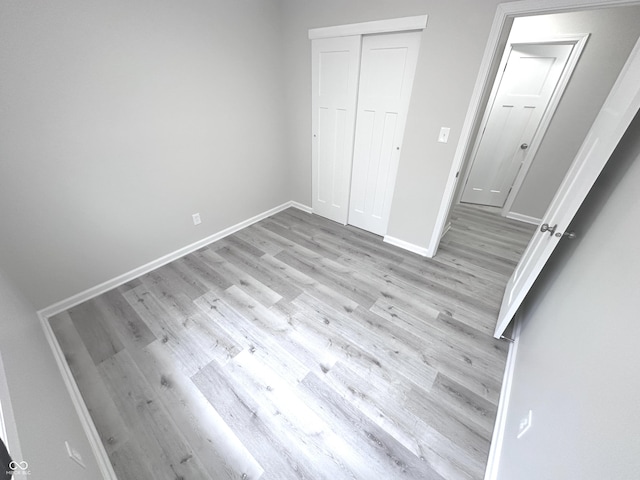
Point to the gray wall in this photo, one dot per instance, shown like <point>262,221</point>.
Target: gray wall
<point>450,55</point>
<point>614,32</point>
<point>44,414</point>
<point>120,119</point>
<point>577,363</point>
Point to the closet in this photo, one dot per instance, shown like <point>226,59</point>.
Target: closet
<point>361,87</point>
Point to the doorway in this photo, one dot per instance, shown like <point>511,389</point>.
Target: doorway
<point>621,106</point>
<point>569,135</point>
<point>613,32</point>
<point>573,136</point>
<point>523,100</point>
<point>590,83</point>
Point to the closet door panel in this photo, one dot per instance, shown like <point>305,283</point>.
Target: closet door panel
<point>365,145</point>
<point>386,79</point>
<point>335,75</point>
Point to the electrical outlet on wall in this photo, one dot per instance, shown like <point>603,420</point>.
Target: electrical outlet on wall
<point>196,219</point>
<point>443,137</point>
<point>74,455</point>
<point>525,424</point>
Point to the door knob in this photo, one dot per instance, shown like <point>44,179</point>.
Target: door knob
<point>546,228</point>
<point>524,146</point>
<point>569,235</point>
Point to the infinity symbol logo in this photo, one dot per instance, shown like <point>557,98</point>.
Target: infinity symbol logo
<point>21,465</point>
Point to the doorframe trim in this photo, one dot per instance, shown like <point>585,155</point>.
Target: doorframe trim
<point>417,22</point>
<point>505,13</point>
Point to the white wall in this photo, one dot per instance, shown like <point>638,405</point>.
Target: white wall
<point>614,32</point>
<point>578,357</point>
<point>450,55</point>
<point>43,412</point>
<point>120,119</point>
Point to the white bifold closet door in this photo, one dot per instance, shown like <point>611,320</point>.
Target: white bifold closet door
<point>361,90</point>
<point>386,79</point>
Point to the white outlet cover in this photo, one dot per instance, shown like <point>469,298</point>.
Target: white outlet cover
<point>525,424</point>
<point>74,455</point>
<point>444,135</point>
<point>196,219</point>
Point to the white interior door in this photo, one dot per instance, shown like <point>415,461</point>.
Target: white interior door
<point>521,98</point>
<point>335,70</point>
<point>615,116</point>
<point>386,79</point>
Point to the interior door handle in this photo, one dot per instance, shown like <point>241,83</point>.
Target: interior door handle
<point>524,146</point>
<point>569,235</point>
<point>546,228</point>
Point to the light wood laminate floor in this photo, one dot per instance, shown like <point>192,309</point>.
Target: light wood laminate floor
<point>301,349</point>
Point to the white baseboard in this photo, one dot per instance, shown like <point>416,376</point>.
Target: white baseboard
<point>92,292</point>
<point>425,252</point>
<point>495,452</point>
<point>102,458</point>
<point>523,218</point>
<point>301,206</point>
<point>446,229</point>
